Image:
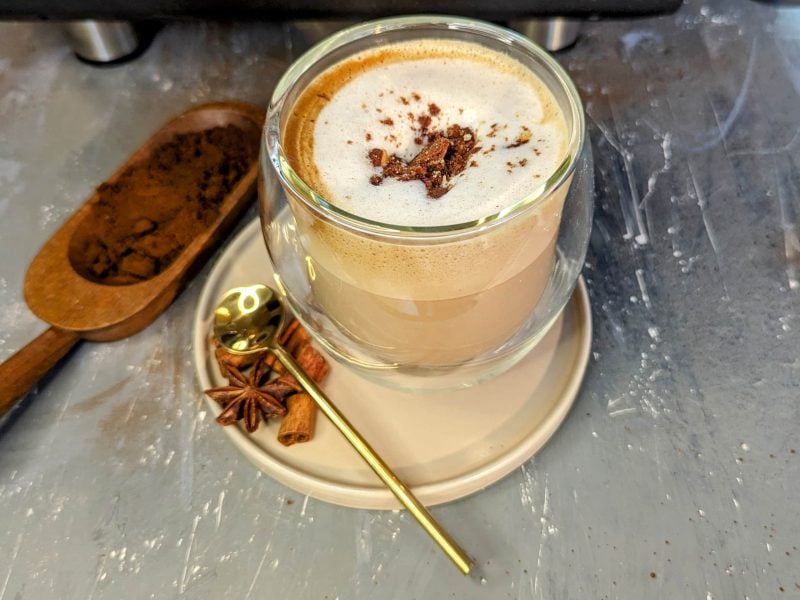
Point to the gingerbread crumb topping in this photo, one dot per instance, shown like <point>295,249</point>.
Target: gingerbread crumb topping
<point>446,154</point>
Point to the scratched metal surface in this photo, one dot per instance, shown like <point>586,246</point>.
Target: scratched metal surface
<point>676,475</point>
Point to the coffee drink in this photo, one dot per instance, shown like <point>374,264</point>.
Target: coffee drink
<point>425,137</point>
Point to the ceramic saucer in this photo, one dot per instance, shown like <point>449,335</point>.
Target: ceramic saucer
<point>444,445</point>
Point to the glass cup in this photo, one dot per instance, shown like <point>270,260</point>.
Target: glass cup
<point>433,307</point>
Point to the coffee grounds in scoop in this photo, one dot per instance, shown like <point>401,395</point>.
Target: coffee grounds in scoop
<point>156,207</point>
<point>445,156</point>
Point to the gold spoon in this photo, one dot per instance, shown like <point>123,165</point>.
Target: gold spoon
<point>249,320</point>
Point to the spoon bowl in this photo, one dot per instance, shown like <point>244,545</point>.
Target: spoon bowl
<point>249,319</point>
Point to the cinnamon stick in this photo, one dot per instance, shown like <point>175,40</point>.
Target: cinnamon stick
<point>287,333</point>
<point>311,362</point>
<point>300,420</point>
<point>291,339</point>
<point>274,363</point>
<point>296,340</point>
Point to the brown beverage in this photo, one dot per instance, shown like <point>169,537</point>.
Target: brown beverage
<point>427,300</point>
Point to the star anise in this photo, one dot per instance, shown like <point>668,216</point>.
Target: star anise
<point>246,398</point>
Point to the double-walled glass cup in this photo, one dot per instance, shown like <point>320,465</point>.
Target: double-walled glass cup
<point>427,307</point>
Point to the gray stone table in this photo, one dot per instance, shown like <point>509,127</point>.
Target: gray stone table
<point>677,473</point>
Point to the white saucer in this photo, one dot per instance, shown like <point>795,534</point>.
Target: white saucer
<point>444,445</point>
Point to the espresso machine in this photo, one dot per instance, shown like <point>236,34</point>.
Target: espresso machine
<point>107,31</point>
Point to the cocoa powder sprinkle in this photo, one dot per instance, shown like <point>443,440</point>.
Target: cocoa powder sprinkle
<point>523,138</point>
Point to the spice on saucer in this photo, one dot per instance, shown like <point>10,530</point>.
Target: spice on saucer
<point>245,398</point>
<point>311,362</point>
<point>268,391</point>
<point>298,424</point>
<point>225,359</point>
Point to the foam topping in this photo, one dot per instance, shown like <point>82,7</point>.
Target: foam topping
<point>402,102</point>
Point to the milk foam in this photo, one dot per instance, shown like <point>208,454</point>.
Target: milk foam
<point>468,85</point>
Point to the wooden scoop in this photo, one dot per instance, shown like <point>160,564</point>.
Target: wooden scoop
<point>60,290</point>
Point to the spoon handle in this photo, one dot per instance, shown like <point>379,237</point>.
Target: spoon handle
<point>21,372</point>
<point>382,470</point>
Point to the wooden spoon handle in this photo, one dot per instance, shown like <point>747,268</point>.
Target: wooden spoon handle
<point>20,372</point>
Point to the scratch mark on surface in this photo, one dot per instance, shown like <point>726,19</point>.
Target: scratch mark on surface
<point>631,213</point>
<point>189,547</point>
<point>99,577</point>
<point>790,68</point>
<point>130,409</point>
<point>542,537</point>
<point>258,571</point>
<point>622,411</point>
<point>791,243</point>
<point>13,559</point>
<point>724,128</point>
<point>66,404</point>
<point>643,288</point>
<point>526,489</point>
<point>649,406</point>
<point>702,204</point>
<point>614,401</point>
<point>666,148</point>
<point>219,508</point>
<point>642,237</point>
<point>673,229</point>
<point>617,330</point>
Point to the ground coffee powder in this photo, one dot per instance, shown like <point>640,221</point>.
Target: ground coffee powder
<point>146,217</point>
